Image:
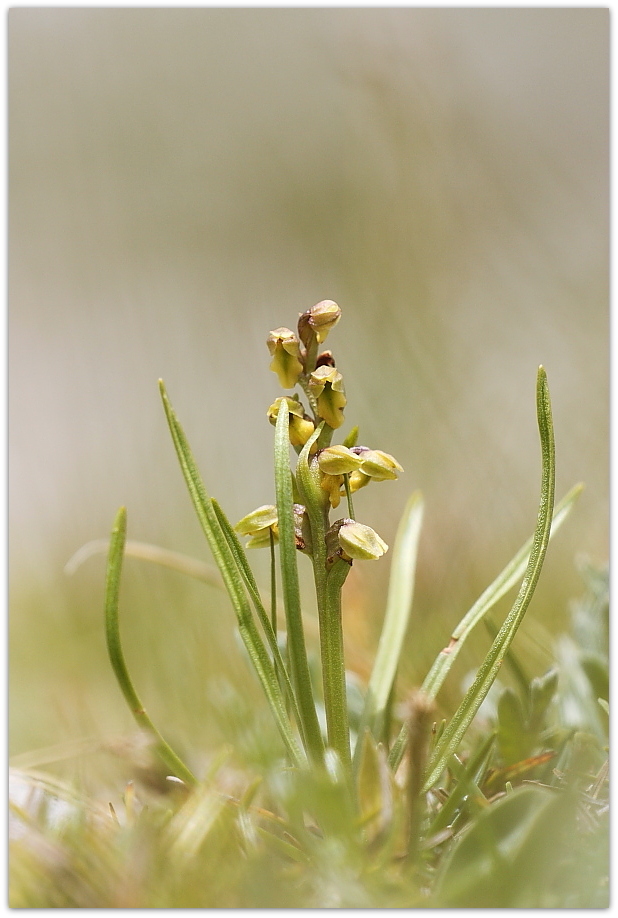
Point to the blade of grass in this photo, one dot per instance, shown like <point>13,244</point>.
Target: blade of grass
<point>116,656</point>
<point>504,582</point>
<point>232,579</point>
<point>488,670</point>
<point>467,783</point>
<point>291,591</point>
<point>252,588</point>
<point>398,605</point>
<point>173,560</point>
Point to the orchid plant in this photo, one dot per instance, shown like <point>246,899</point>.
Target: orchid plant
<point>323,478</point>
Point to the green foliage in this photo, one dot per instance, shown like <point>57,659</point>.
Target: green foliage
<point>430,811</point>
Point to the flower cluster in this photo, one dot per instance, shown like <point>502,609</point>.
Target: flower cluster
<point>360,463</point>
<point>342,469</point>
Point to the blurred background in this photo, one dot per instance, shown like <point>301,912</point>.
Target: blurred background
<point>182,181</point>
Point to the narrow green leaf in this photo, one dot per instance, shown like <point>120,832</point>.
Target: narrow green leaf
<point>515,741</point>
<point>504,582</point>
<point>291,591</point>
<point>604,705</point>
<point>352,438</point>
<point>398,606</point>
<point>116,656</point>
<point>508,853</point>
<point>541,694</point>
<point>488,670</point>
<point>467,789</point>
<point>233,581</point>
<point>174,560</point>
<point>252,588</point>
<point>374,788</point>
<point>512,661</point>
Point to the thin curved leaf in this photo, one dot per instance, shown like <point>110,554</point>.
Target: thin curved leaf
<point>116,656</point>
<point>224,560</point>
<point>504,582</point>
<point>488,670</point>
<point>396,617</point>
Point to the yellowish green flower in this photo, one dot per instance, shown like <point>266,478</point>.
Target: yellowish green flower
<point>358,480</point>
<point>326,384</point>
<point>360,542</point>
<point>338,460</point>
<point>301,426</point>
<point>332,485</point>
<point>375,465</point>
<point>284,347</point>
<point>379,465</point>
<point>259,524</point>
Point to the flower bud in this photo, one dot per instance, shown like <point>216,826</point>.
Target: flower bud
<point>325,359</point>
<point>338,460</point>
<point>326,384</point>
<point>284,347</point>
<point>318,321</point>
<point>360,541</point>
<point>352,438</point>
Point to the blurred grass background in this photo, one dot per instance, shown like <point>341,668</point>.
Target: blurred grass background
<point>183,180</point>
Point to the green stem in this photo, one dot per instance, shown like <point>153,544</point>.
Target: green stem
<point>303,382</point>
<point>116,656</point>
<point>328,586</point>
<point>333,664</point>
<point>311,355</point>
<point>325,437</point>
<point>348,494</point>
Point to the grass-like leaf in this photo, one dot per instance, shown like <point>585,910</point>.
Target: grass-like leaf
<point>232,579</point>
<point>398,605</point>
<point>504,582</point>
<point>144,551</point>
<point>488,670</point>
<point>116,656</point>
<point>252,589</point>
<point>467,791</point>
